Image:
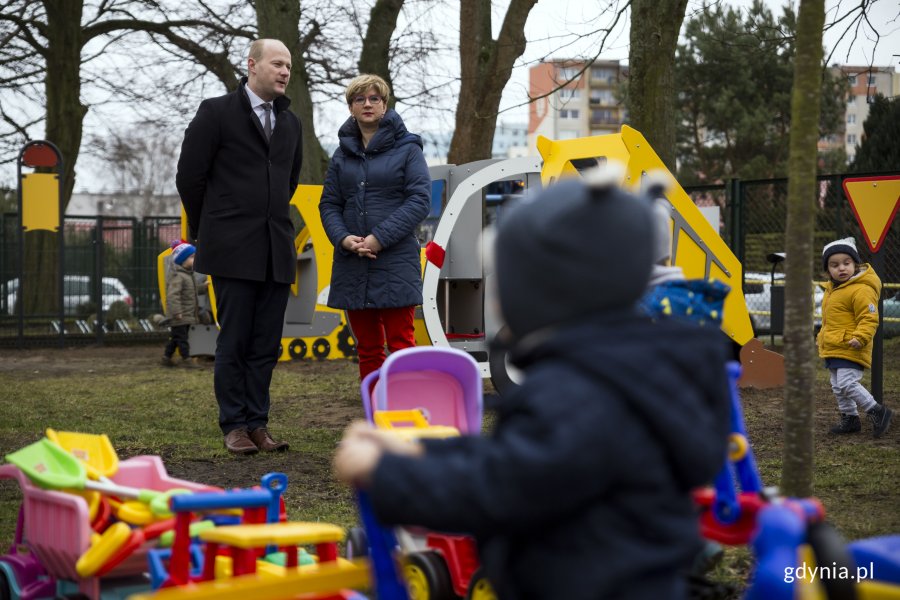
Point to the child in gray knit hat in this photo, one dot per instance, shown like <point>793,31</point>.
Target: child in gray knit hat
<point>582,488</point>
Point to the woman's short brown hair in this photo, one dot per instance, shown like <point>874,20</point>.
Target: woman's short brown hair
<point>361,84</point>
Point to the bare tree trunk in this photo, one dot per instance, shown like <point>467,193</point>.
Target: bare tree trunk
<point>651,79</point>
<point>375,56</point>
<point>486,65</point>
<point>65,114</point>
<point>799,405</point>
<point>279,19</point>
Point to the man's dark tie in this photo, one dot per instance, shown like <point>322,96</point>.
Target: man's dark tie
<point>268,125</point>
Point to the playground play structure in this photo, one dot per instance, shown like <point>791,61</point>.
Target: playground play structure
<point>78,535</point>
<point>454,312</point>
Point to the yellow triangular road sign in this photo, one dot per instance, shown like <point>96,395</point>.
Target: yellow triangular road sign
<point>874,201</point>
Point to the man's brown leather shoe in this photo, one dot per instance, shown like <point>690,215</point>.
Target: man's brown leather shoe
<point>238,442</point>
<point>264,441</point>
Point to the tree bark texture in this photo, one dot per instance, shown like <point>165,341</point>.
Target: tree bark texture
<point>375,56</point>
<point>279,19</point>
<point>799,405</point>
<point>65,114</point>
<point>485,67</point>
<point>651,80</point>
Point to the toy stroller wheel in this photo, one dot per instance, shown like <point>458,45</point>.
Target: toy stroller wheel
<point>357,543</point>
<point>480,588</point>
<point>737,447</point>
<point>504,376</point>
<point>427,577</point>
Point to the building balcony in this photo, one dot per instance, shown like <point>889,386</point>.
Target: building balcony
<point>606,121</point>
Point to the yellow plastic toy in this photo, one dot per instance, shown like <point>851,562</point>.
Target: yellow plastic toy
<point>246,577</point>
<point>134,512</point>
<point>103,549</point>
<point>411,425</point>
<point>95,452</point>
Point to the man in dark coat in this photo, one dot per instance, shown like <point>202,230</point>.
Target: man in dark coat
<point>582,489</point>
<point>239,167</point>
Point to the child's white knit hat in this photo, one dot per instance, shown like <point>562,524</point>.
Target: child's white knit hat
<point>846,245</point>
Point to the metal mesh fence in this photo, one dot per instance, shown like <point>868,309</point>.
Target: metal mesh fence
<point>109,281</point>
<point>754,219</point>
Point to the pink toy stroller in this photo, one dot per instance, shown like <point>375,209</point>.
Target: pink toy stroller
<point>444,383</point>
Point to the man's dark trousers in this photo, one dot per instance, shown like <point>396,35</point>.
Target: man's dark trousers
<point>251,320</point>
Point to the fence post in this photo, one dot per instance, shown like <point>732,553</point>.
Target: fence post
<point>98,277</point>
<point>736,204</point>
<point>61,243</point>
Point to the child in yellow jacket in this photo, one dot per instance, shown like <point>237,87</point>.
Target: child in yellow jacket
<point>849,322</point>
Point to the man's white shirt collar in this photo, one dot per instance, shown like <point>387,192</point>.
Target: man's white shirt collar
<point>256,104</point>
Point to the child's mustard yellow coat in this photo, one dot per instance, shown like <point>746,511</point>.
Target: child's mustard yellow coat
<point>850,310</point>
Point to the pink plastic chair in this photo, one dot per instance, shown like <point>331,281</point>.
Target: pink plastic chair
<point>445,383</point>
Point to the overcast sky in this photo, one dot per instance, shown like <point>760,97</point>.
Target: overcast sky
<point>553,30</point>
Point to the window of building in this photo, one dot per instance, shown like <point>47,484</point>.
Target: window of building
<point>602,97</point>
<point>569,94</point>
<point>871,80</point>
<point>851,139</point>
<point>851,99</point>
<point>568,113</point>
<point>603,73</point>
<point>852,79</point>
<point>603,116</point>
<point>567,73</point>
<point>851,118</point>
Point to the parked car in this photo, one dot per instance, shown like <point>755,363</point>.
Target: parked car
<point>78,294</point>
<point>890,314</point>
<point>758,296</point>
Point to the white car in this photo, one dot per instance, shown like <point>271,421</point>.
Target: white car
<point>77,291</point>
<point>758,296</point>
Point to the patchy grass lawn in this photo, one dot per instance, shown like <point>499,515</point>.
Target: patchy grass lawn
<point>171,412</point>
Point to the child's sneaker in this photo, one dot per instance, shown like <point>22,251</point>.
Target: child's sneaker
<point>848,424</point>
<point>167,361</point>
<point>881,419</point>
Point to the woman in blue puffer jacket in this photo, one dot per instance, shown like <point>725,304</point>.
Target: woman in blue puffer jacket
<point>377,191</point>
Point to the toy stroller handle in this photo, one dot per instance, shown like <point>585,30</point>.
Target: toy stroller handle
<point>389,584</point>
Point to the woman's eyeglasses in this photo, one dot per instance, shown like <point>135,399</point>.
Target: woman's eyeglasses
<point>362,100</point>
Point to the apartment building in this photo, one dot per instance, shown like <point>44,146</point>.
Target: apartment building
<point>574,99</point>
<point>864,82</point>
